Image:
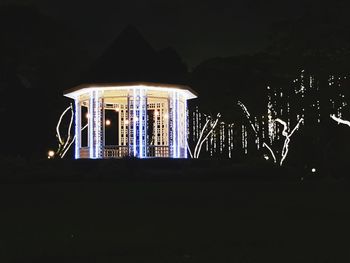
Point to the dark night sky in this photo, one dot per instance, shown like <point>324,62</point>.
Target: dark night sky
<point>198,29</point>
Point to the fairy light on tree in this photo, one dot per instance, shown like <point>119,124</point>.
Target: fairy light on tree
<point>63,143</point>
<point>212,128</point>
<point>73,140</point>
<point>207,130</point>
<point>230,139</point>
<point>247,114</point>
<point>285,133</point>
<point>287,136</point>
<point>340,120</point>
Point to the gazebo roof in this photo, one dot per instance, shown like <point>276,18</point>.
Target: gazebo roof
<point>130,58</point>
<point>85,88</point>
<point>131,61</point>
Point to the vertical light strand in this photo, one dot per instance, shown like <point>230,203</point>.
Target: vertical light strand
<point>140,123</point>
<point>77,128</point>
<point>178,125</point>
<point>94,124</point>
<point>174,146</point>
<point>185,127</point>
<point>127,115</point>
<point>91,126</point>
<point>97,124</point>
<point>229,141</point>
<point>102,128</point>
<point>134,122</point>
<point>145,121</point>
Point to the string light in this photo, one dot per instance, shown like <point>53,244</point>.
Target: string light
<point>287,136</point>
<point>50,154</point>
<point>340,120</point>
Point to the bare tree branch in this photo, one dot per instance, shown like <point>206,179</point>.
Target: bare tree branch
<point>272,153</point>
<point>247,114</point>
<point>58,135</point>
<point>206,137</point>
<point>189,150</point>
<point>287,136</point>
<point>200,137</point>
<point>340,120</point>
<point>69,128</point>
<point>73,140</point>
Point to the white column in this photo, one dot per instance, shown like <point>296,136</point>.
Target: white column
<point>95,125</point>
<point>185,128</point>
<point>91,126</point>
<point>178,142</point>
<point>142,121</point>
<point>175,142</point>
<point>134,129</point>
<point>103,127</point>
<point>77,128</point>
<point>129,124</point>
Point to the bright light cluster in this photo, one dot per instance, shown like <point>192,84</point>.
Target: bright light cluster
<point>174,115</point>
<point>272,126</point>
<point>212,125</point>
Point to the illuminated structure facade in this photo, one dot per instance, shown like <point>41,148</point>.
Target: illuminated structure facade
<point>151,120</point>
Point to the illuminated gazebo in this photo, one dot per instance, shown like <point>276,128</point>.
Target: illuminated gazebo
<point>136,119</point>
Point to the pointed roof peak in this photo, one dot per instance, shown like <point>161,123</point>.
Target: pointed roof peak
<point>130,34</point>
<point>131,58</point>
<point>130,29</point>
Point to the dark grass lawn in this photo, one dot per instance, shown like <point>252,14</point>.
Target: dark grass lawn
<point>175,221</point>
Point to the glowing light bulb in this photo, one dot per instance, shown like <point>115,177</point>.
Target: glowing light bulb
<point>108,122</point>
<point>50,154</point>
<point>87,115</point>
<point>313,170</point>
<point>266,157</point>
<point>116,109</point>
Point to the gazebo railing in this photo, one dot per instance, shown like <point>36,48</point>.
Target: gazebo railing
<point>118,151</point>
<point>115,151</point>
<point>157,151</point>
<point>84,152</point>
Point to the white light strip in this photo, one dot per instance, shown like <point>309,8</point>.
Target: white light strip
<point>140,124</point>
<point>97,125</point>
<point>177,125</point>
<point>77,93</point>
<point>144,124</point>
<point>185,128</point>
<point>95,119</point>
<point>91,128</point>
<point>174,126</point>
<point>134,122</point>
<point>77,132</point>
<point>287,137</point>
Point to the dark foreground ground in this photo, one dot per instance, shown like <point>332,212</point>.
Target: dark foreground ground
<point>107,212</point>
